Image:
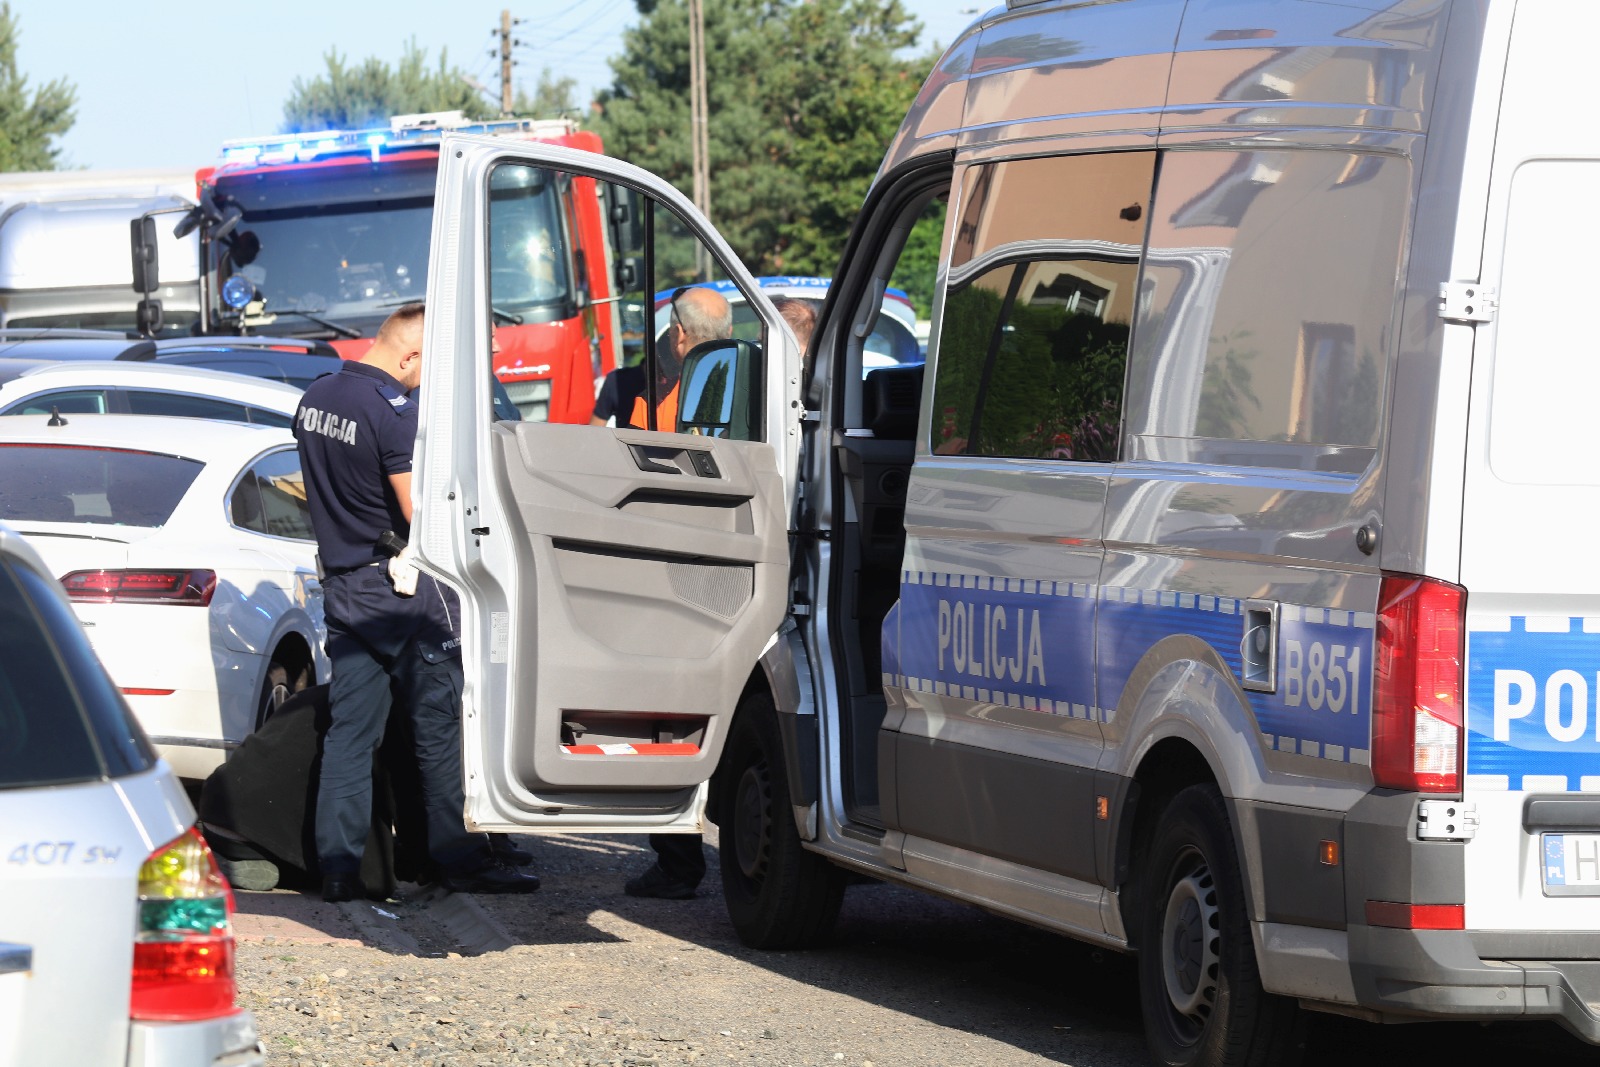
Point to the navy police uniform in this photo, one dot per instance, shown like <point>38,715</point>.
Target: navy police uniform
<point>354,429</point>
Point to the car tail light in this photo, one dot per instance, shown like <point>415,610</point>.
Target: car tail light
<point>183,950</point>
<point>141,587</point>
<point>1416,708</point>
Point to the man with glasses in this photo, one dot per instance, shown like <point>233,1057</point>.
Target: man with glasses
<point>698,315</point>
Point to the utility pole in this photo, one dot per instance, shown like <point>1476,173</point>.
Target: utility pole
<point>505,62</point>
<point>700,141</point>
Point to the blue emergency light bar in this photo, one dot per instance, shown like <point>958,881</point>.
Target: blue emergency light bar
<point>404,131</point>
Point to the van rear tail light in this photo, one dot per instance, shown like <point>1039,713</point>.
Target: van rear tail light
<point>1416,707</point>
<point>141,587</point>
<point>183,948</point>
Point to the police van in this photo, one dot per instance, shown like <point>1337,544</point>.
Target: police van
<point>1220,590</point>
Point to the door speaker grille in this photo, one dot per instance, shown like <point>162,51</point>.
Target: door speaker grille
<point>722,588</point>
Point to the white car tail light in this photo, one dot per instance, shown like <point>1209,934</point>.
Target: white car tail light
<point>141,587</point>
<point>183,950</point>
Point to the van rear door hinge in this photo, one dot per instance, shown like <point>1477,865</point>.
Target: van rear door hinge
<point>1446,820</point>
<point>1467,302</point>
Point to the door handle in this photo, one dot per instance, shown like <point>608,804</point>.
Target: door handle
<point>647,459</point>
<point>656,460</point>
<point>1258,649</point>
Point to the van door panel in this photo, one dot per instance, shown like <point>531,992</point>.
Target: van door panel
<point>1005,510</point>
<point>1531,504</point>
<point>617,585</point>
<point>615,591</point>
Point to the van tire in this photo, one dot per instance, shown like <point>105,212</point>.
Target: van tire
<point>778,894</point>
<point>1199,987</point>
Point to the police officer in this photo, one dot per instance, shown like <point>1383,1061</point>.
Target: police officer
<point>400,631</point>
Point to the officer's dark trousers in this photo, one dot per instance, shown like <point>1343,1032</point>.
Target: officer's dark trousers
<point>429,687</point>
<point>680,857</point>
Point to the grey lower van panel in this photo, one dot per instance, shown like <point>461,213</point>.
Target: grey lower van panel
<point>1297,887</point>
<point>1011,807</point>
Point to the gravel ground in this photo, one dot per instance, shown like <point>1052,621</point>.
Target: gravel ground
<point>580,975</point>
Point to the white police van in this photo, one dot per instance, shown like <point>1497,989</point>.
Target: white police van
<point>1220,591</point>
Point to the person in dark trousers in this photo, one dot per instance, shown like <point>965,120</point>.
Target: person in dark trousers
<point>388,626</point>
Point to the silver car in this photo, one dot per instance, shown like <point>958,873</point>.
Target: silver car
<point>116,938</point>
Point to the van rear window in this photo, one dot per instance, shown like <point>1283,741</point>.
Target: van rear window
<point>77,483</point>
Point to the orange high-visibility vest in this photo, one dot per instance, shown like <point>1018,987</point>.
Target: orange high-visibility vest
<point>666,412</point>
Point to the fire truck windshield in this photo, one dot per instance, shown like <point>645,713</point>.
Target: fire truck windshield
<point>349,243</point>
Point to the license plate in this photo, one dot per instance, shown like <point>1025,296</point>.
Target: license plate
<point>1571,864</point>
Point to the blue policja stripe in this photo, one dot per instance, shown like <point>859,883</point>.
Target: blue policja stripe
<point>1030,644</point>
<point>1531,702</point>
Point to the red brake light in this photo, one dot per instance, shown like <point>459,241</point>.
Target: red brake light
<point>141,587</point>
<point>1416,916</point>
<point>183,949</point>
<point>1416,708</point>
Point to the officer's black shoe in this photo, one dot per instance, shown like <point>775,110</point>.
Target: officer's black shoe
<point>337,888</point>
<point>495,878</point>
<point>659,884</point>
<point>508,851</point>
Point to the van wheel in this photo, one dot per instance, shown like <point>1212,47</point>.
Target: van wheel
<point>1198,984</point>
<point>778,894</point>
<point>277,687</point>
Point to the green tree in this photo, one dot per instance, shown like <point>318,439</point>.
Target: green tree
<point>552,98</point>
<point>792,152</point>
<point>29,121</point>
<point>350,97</point>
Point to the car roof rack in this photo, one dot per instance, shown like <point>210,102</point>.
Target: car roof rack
<point>308,345</point>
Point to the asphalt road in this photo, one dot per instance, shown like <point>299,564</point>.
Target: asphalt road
<point>581,974</point>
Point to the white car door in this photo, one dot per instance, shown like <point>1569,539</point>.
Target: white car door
<point>618,585</point>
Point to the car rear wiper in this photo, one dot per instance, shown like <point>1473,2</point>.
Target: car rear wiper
<point>327,324</point>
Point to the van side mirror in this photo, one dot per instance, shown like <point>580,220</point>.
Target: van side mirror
<point>627,221</point>
<point>630,272</point>
<point>146,256</point>
<point>721,390</point>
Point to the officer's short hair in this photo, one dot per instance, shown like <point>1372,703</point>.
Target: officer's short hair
<point>405,317</point>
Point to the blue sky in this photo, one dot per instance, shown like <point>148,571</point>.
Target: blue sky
<point>161,84</point>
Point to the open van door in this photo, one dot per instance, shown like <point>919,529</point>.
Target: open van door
<point>618,585</point>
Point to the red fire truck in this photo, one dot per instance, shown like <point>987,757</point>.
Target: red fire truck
<point>323,234</point>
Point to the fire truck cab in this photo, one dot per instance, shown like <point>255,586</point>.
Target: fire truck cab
<point>324,234</point>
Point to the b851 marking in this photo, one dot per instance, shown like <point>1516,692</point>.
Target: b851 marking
<point>1322,676</point>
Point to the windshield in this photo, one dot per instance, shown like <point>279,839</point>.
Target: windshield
<point>349,243</point>
<point>80,483</point>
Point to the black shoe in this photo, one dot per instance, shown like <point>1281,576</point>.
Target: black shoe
<point>659,884</point>
<point>337,888</point>
<point>508,851</point>
<point>495,878</point>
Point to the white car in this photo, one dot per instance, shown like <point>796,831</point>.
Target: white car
<point>186,548</point>
<point>30,387</point>
<point>116,938</point>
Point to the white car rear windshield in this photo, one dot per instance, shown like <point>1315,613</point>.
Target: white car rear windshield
<point>80,483</point>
